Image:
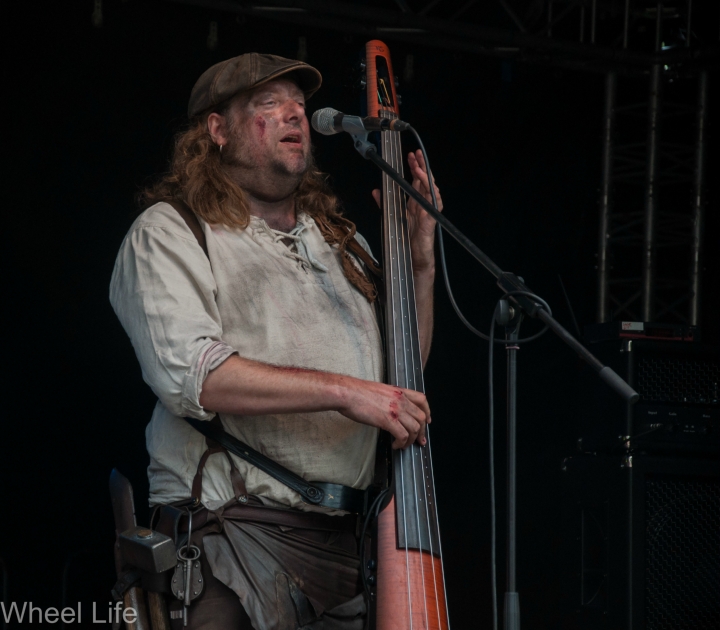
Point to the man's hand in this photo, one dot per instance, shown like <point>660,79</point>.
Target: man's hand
<point>422,245</point>
<point>422,225</point>
<point>404,413</point>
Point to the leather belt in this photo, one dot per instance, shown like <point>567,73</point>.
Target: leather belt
<point>279,516</point>
<point>171,520</point>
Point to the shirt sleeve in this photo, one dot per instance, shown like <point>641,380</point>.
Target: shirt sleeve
<point>163,291</point>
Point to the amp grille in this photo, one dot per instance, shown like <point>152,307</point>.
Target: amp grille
<point>678,380</point>
<point>682,554</point>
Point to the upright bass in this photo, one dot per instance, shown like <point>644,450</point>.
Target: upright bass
<point>410,587</point>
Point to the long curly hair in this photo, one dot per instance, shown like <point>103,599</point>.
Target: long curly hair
<point>197,177</point>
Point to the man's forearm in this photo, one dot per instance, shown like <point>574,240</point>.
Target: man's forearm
<point>424,286</point>
<point>245,387</point>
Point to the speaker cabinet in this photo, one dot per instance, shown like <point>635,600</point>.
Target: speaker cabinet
<point>645,533</point>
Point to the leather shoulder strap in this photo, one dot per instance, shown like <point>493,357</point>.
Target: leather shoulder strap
<point>322,493</point>
<point>357,249</point>
<point>192,222</point>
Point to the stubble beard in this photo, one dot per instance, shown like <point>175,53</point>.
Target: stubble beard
<point>272,180</point>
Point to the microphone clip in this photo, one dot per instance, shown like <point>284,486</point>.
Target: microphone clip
<point>355,127</point>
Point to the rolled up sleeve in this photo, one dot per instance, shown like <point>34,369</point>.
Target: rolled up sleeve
<point>163,292</point>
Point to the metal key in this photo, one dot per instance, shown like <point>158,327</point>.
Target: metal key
<point>179,580</point>
<point>184,584</point>
<point>187,581</point>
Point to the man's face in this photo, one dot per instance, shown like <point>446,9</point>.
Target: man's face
<point>270,130</point>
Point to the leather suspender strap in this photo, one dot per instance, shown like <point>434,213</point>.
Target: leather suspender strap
<point>357,249</point>
<point>192,222</point>
<point>238,483</point>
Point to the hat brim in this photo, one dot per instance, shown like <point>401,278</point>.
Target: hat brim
<point>308,79</point>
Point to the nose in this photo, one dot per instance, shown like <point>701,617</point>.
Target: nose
<point>294,111</point>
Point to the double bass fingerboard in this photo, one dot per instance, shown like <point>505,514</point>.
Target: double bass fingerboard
<point>412,467</point>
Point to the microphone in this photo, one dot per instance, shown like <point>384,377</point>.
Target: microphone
<point>329,121</point>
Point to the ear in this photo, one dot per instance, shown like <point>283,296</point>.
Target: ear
<point>217,128</point>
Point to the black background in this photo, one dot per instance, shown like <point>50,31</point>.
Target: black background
<point>91,116</point>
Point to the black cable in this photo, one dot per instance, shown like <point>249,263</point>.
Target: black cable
<point>375,507</point>
<point>443,266</point>
<point>491,419</point>
<point>443,263</point>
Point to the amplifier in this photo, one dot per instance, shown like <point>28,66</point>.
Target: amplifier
<point>643,537</point>
<point>679,407</point>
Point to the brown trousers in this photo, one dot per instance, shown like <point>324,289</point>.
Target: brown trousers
<point>273,577</point>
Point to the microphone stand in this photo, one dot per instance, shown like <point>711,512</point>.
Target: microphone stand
<point>509,316</point>
<point>508,282</point>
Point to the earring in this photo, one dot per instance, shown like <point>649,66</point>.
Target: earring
<point>221,146</point>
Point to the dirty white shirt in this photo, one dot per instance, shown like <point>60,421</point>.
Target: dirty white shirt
<point>258,298</point>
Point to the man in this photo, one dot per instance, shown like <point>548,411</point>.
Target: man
<point>273,329</point>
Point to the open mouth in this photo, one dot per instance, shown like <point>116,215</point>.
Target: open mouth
<point>294,137</point>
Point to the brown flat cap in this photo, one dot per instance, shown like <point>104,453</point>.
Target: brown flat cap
<point>229,77</point>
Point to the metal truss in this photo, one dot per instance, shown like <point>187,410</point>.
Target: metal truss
<point>650,228</point>
<point>598,35</point>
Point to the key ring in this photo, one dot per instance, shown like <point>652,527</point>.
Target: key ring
<point>190,522</point>
<point>182,553</point>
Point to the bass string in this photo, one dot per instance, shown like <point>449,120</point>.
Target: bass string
<point>425,450</point>
<point>415,354</point>
<point>409,334</point>
<point>410,340</point>
<point>409,344</point>
<point>391,236</point>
